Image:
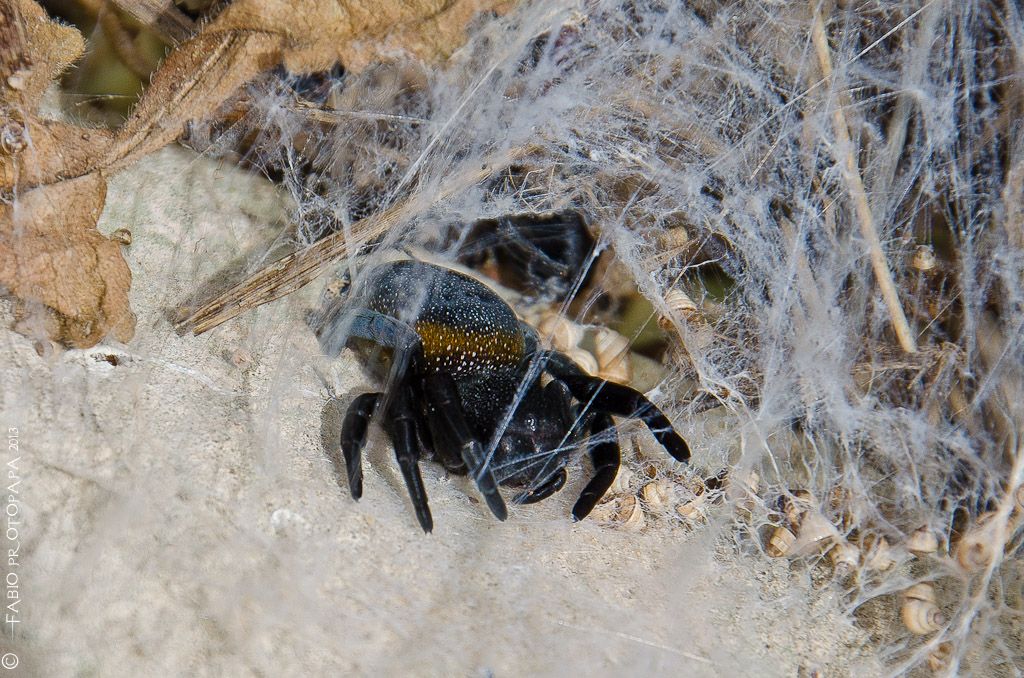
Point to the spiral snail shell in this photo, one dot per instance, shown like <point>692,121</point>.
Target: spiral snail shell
<point>919,612</point>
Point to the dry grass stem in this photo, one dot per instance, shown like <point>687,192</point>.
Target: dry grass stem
<point>855,186</point>
<point>300,268</point>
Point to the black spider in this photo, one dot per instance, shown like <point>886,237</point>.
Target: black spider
<point>535,254</point>
<point>460,362</point>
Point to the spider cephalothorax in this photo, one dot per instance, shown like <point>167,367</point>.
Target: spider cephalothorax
<point>464,388</point>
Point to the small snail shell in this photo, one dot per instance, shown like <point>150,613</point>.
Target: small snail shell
<point>584,359</point>
<point>629,513</point>
<point>845,557</point>
<point>693,509</point>
<point>975,549</point>
<point>924,258</point>
<point>123,236</point>
<point>877,554</point>
<point>742,487</point>
<point>621,483</point>
<point>796,505</point>
<point>656,494</point>
<point>680,303</point>
<point>625,511</point>
<point>612,351</point>
<point>780,542</point>
<point>922,542</point>
<point>562,332</point>
<point>815,531</point>
<point>939,659</point>
<point>920,615</point>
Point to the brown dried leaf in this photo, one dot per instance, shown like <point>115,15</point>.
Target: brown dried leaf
<point>71,273</point>
<point>69,280</point>
<point>51,256</point>
<point>33,51</point>
<point>251,36</point>
<point>320,33</point>
<point>53,149</point>
<point>191,83</point>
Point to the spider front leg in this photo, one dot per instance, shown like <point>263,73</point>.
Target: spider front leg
<point>353,438</point>
<point>612,398</point>
<point>450,431</point>
<point>401,427</point>
<point>605,455</point>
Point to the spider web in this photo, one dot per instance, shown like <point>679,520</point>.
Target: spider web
<point>700,142</point>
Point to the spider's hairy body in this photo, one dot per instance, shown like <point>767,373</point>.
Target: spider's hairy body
<point>463,387</point>
<point>464,328</point>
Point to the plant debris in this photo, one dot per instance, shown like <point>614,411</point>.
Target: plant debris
<point>52,172</point>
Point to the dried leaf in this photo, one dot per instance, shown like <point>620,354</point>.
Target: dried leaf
<point>51,256</point>
<point>191,83</point>
<point>52,150</point>
<point>68,278</point>
<point>72,273</point>
<point>357,32</point>
<point>33,51</point>
<point>251,36</point>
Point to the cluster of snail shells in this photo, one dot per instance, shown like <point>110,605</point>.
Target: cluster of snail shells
<point>624,511</point>
<point>657,496</point>
<point>610,359</point>
<point>806,530</point>
<point>919,611</point>
<point>627,507</point>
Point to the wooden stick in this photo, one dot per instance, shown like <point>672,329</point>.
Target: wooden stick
<point>296,270</point>
<point>855,186</point>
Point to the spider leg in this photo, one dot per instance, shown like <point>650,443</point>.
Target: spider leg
<point>452,432</point>
<point>553,484</point>
<point>605,456</point>
<point>353,437</point>
<point>402,425</point>
<point>364,323</point>
<point>618,399</point>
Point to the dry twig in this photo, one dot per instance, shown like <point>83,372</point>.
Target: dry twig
<point>855,186</point>
<point>292,272</point>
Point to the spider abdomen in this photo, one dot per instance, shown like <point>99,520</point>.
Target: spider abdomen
<point>465,330</point>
